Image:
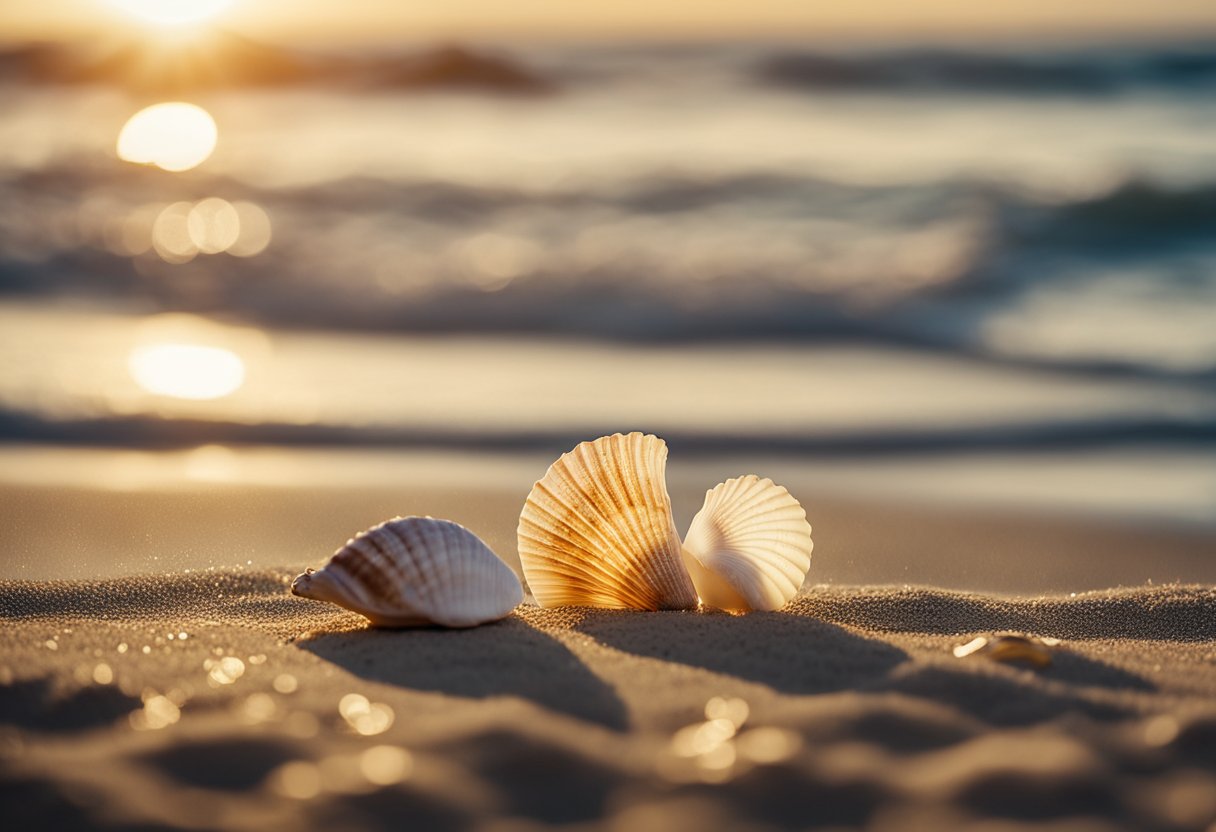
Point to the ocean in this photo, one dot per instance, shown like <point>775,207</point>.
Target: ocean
<point>962,274</point>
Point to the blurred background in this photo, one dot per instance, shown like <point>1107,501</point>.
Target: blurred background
<point>273,271</point>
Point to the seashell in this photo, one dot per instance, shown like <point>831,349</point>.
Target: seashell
<point>1010,648</point>
<point>749,547</point>
<point>597,529</point>
<point>415,571</point>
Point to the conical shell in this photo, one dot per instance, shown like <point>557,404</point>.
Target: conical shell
<point>416,571</point>
<point>597,529</point>
<point>749,547</point>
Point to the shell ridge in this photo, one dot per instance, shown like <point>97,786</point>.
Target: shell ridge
<point>583,571</point>
<point>660,531</point>
<point>597,528</point>
<point>608,484</point>
<point>398,553</point>
<point>386,557</point>
<point>668,557</point>
<point>583,548</point>
<point>587,498</point>
<point>673,565</point>
<point>753,535</point>
<point>749,502</point>
<point>354,570</point>
<point>629,566</point>
<point>417,570</point>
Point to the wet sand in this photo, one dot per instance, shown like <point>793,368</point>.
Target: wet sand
<point>845,710</point>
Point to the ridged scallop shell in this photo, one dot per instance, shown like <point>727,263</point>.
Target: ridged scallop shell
<point>597,529</point>
<point>415,571</point>
<point>749,547</point>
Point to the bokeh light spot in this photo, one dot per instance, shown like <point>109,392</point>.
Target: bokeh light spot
<point>213,225</point>
<point>254,230</point>
<point>171,234</point>
<point>174,136</point>
<point>366,718</point>
<point>187,371</point>
<point>298,779</point>
<point>385,765</point>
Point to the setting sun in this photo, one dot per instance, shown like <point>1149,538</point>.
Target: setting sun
<point>174,136</point>
<point>172,12</point>
<point>187,371</point>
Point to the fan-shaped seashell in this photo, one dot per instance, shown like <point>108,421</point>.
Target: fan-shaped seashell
<point>414,571</point>
<point>597,529</point>
<point>749,547</point>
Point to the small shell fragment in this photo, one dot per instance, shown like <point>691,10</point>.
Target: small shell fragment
<point>1009,648</point>
<point>416,571</point>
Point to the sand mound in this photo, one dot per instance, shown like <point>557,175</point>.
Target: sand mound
<point>856,713</point>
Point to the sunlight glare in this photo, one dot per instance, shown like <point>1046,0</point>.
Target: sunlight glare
<point>174,136</point>
<point>172,12</point>
<point>186,371</point>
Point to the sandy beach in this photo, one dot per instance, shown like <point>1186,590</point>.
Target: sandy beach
<point>217,700</point>
<point>274,273</point>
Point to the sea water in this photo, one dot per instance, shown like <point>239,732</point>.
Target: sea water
<point>903,260</point>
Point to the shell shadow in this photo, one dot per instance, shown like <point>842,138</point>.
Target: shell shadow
<point>35,705</point>
<point>1006,699</point>
<point>792,654</point>
<point>1148,613</point>
<point>1075,669</point>
<point>508,658</point>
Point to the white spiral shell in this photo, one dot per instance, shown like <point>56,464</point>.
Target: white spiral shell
<point>416,571</point>
<point>597,530</point>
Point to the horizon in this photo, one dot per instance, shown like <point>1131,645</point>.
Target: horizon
<point>306,22</point>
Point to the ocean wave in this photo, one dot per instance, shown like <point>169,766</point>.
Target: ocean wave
<point>1093,72</point>
<point>153,432</point>
<point>728,258</point>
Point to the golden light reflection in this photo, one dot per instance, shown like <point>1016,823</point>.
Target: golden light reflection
<point>254,230</point>
<point>171,234</point>
<point>186,371</point>
<point>213,225</point>
<point>298,779</point>
<point>179,231</point>
<point>172,12</point>
<point>223,671</point>
<point>158,711</point>
<point>384,765</point>
<point>174,136</point>
<point>365,717</point>
<point>212,463</point>
<point>180,356</point>
<point>718,749</point>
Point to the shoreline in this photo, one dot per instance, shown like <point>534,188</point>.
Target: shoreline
<point>158,521</point>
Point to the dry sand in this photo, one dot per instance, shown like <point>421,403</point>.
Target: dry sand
<point>560,717</point>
